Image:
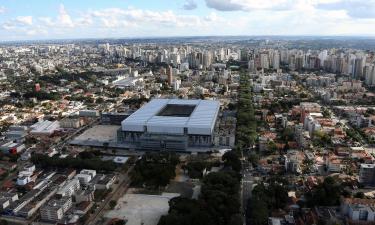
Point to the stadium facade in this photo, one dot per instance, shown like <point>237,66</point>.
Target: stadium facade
<point>171,124</point>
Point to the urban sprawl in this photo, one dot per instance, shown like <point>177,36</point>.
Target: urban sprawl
<point>187,131</point>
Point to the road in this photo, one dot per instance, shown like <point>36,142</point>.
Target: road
<point>59,146</point>
<point>247,186</point>
<point>118,191</point>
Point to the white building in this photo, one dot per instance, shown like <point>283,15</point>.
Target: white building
<point>44,128</point>
<point>70,188</point>
<point>172,124</point>
<point>358,210</point>
<point>54,209</point>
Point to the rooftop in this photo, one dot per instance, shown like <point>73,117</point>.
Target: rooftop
<point>173,116</point>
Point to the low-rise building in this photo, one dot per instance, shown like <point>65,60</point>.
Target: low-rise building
<point>54,209</point>
<point>69,188</point>
<point>44,128</point>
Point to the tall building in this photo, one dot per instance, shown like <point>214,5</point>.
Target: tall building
<point>299,63</point>
<point>359,65</point>
<point>251,66</point>
<point>276,60</point>
<point>370,74</point>
<point>264,62</point>
<point>367,174</point>
<point>170,75</point>
<point>207,60</point>
<point>177,84</point>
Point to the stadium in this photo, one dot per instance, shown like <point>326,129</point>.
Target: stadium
<point>171,124</point>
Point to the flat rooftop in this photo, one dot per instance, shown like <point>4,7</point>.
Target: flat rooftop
<point>172,116</point>
<point>100,133</point>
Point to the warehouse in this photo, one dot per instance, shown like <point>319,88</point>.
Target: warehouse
<point>171,124</point>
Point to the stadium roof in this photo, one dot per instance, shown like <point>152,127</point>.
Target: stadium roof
<point>172,116</point>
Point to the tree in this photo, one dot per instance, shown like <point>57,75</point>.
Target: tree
<point>155,169</point>
<point>246,122</point>
<point>232,160</point>
<point>99,100</point>
<point>195,169</point>
<point>325,194</point>
<point>254,159</point>
<point>258,212</point>
<point>184,211</point>
<point>218,203</point>
<point>112,204</point>
<point>287,134</point>
<point>359,195</point>
<point>236,219</point>
<point>271,146</point>
<point>266,199</point>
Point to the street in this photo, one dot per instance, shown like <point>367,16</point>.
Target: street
<point>118,191</point>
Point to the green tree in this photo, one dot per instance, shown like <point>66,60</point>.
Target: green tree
<point>232,160</point>
<point>112,204</point>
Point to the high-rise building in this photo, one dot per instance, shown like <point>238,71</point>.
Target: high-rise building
<point>359,65</point>
<point>370,74</point>
<point>276,60</point>
<point>251,66</point>
<point>207,60</point>
<point>177,84</point>
<point>170,75</point>
<point>367,174</point>
<point>264,62</point>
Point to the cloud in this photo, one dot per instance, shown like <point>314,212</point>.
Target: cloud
<point>2,9</point>
<point>189,5</point>
<point>223,5</point>
<point>64,18</point>
<point>24,20</point>
<point>47,21</point>
<point>354,8</point>
<point>116,17</point>
<point>361,9</point>
<point>254,17</point>
<point>249,5</point>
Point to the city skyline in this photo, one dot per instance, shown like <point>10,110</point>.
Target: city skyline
<point>41,20</point>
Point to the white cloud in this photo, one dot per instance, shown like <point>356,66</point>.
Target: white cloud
<point>2,9</point>
<point>36,32</point>
<point>46,21</point>
<point>254,17</point>
<point>354,8</point>
<point>8,26</point>
<point>115,17</point>
<point>64,18</point>
<point>189,5</point>
<point>24,20</point>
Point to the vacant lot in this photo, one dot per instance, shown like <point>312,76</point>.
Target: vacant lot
<point>140,208</point>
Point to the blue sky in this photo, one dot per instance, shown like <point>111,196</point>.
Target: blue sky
<point>52,19</point>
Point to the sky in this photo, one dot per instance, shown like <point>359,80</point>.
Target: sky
<point>69,19</point>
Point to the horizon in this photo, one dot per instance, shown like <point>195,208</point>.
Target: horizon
<point>244,37</point>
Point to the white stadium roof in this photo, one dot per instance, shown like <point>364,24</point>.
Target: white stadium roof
<point>201,121</point>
